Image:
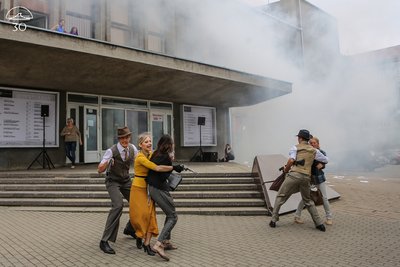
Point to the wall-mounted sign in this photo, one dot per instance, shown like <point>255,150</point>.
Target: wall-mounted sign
<point>157,117</point>
<point>21,123</point>
<point>196,119</point>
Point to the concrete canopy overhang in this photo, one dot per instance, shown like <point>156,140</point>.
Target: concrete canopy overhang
<point>41,59</point>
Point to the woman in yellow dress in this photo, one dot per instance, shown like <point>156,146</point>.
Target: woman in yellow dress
<point>142,211</point>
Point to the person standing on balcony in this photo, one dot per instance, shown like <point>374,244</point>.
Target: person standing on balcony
<point>117,161</point>
<point>60,27</point>
<point>74,31</point>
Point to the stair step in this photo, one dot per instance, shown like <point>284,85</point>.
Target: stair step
<point>104,194</point>
<point>199,193</point>
<point>65,180</point>
<point>33,175</point>
<point>230,211</point>
<point>226,202</point>
<point>53,187</point>
<point>217,194</point>
<point>54,180</point>
<point>101,187</point>
<point>218,187</point>
<point>78,202</point>
<point>23,175</point>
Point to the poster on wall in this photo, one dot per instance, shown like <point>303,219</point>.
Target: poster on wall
<point>196,119</point>
<point>21,123</point>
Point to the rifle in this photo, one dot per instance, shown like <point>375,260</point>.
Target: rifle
<point>188,169</point>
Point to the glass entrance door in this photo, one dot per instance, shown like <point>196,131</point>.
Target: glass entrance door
<point>91,136</point>
<point>161,123</point>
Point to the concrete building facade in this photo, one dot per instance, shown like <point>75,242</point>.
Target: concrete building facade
<point>127,66</point>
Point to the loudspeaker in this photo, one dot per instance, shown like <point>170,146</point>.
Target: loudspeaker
<point>44,111</point>
<point>210,156</point>
<point>201,120</point>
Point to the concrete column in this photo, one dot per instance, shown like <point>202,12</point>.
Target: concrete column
<point>223,130</point>
<point>106,20</point>
<point>102,20</point>
<point>55,13</point>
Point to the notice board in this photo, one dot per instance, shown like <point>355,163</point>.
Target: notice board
<point>21,124</point>
<point>190,130</point>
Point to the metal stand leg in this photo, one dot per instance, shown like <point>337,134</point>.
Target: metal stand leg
<point>45,157</point>
<point>199,151</point>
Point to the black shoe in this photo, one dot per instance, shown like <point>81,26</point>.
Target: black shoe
<point>321,227</point>
<point>105,247</point>
<point>129,232</point>
<point>272,224</point>
<point>149,250</point>
<point>139,243</point>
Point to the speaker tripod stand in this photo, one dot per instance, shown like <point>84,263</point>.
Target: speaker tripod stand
<point>199,152</point>
<point>43,154</point>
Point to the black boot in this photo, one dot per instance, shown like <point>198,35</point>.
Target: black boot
<point>105,247</point>
<point>148,249</point>
<point>130,231</point>
<point>139,243</point>
<point>321,227</point>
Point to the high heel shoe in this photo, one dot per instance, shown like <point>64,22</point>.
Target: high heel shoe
<point>158,247</point>
<point>139,243</point>
<point>148,249</point>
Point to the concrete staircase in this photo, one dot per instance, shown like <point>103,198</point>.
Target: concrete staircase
<point>199,193</point>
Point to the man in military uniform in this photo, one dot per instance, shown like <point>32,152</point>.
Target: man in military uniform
<point>117,161</point>
<point>298,177</point>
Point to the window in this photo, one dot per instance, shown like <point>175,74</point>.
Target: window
<point>161,105</point>
<point>155,42</point>
<point>79,14</point>
<point>137,122</point>
<point>39,20</point>
<point>121,32</point>
<point>87,99</point>
<point>124,102</point>
<point>111,120</point>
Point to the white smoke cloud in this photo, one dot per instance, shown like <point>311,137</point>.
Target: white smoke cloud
<point>347,106</point>
<point>353,112</point>
<point>229,34</point>
<point>364,25</point>
<point>350,108</point>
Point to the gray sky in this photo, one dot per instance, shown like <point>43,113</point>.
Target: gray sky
<point>363,25</point>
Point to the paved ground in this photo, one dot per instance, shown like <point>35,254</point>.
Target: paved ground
<point>365,232</point>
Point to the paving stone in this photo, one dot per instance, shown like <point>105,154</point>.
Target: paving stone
<point>365,233</point>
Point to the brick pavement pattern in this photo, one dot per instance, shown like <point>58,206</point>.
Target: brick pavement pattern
<point>365,233</point>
